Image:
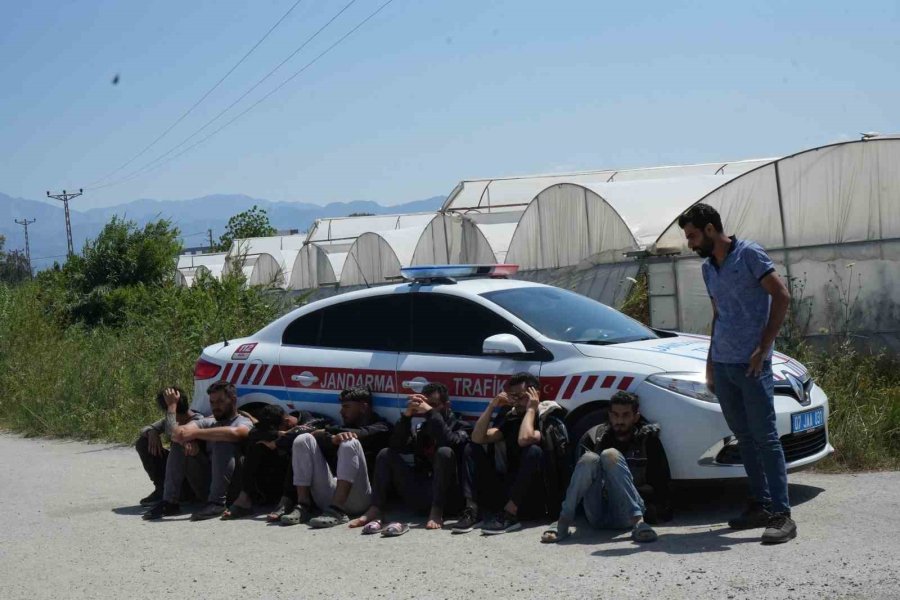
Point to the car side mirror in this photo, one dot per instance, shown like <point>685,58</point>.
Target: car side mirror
<point>503,343</point>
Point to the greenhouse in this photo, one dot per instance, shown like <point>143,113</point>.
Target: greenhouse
<point>267,260</point>
<point>830,219</point>
<point>317,264</point>
<point>375,258</point>
<point>191,265</point>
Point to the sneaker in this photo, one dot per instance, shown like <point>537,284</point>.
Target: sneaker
<point>153,499</point>
<point>779,529</point>
<point>467,522</point>
<point>162,509</point>
<point>210,511</point>
<point>754,516</point>
<point>505,523</point>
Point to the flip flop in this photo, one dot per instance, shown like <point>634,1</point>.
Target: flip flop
<point>555,529</point>
<point>372,527</point>
<point>395,530</point>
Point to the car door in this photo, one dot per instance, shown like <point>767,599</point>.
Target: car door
<point>448,333</point>
<point>348,344</point>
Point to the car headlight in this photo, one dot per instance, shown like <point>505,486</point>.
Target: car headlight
<point>692,385</point>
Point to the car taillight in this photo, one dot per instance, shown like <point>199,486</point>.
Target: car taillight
<point>205,369</point>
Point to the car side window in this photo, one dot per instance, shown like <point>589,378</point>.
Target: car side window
<point>445,324</point>
<point>380,323</point>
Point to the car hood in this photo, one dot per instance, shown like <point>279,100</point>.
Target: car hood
<point>684,353</point>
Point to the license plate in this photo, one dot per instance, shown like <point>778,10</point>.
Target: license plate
<point>807,420</point>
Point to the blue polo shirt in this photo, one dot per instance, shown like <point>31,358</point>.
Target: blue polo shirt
<point>741,301</point>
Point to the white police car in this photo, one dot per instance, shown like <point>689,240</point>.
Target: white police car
<point>471,333</point>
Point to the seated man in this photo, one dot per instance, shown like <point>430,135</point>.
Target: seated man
<point>431,483</point>
<point>210,469</point>
<point>624,481</point>
<point>512,475</point>
<point>266,472</point>
<point>330,465</point>
<point>149,444</point>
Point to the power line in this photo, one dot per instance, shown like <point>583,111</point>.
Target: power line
<point>149,167</point>
<point>202,98</point>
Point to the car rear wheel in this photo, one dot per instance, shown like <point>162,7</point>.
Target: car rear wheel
<point>582,429</point>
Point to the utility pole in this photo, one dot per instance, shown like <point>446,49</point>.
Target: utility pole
<point>209,231</point>
<point>25,223</point>
<point>64,198</point>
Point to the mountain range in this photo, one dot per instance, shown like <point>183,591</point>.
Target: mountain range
<point>193,217</point>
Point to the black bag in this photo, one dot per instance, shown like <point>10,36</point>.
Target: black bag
<point>557,470</point>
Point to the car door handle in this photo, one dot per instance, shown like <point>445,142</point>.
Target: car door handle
<point>304,378</point>
<point>415,386</point>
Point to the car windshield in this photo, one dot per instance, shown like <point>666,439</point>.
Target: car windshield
<point>570,317</point>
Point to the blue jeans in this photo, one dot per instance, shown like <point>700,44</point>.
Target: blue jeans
<point>603,484</point>
<point>748,404</point>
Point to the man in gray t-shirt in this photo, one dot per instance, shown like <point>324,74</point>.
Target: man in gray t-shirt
<point>211,467</point>
<point>749,303</point>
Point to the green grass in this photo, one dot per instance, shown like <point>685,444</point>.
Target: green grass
<point>98,382</point>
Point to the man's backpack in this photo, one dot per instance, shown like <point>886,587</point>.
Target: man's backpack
<point>557,469</point>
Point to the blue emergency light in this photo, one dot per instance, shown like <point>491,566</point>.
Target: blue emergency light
<point>430,272</point>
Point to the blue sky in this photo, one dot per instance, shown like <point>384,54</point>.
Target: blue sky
<point>428,92</point>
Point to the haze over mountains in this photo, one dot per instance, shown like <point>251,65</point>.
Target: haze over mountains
<point>193,218</point>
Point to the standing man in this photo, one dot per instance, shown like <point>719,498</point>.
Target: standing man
<point>749,305</point>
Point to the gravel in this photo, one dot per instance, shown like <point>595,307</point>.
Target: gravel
<point>69,528</point>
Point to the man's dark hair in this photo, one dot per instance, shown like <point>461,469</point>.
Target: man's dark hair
<point>700,215</point>
<point>357,394</point>
<point>527,378</point>
<point>183,404</point>
<point>269,417</point>
<point>440,388</point>
<point>222,386</point>
<point>626,399</point>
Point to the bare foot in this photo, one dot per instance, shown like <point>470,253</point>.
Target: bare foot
<point>435,519</point>
<point>370,515</point>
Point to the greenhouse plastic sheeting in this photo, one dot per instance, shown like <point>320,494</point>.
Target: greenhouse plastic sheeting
<point>838,240</point>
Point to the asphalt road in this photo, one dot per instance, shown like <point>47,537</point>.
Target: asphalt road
<point>69,528</point>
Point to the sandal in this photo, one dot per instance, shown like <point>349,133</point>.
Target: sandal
<point>558,533</point>
<point>331,517</point>
<point>236,512</point>
<point>395,530</point>
<point>372,527</point>
<point>300,514</point>
<point>280,511</point>
<point>643,533</point>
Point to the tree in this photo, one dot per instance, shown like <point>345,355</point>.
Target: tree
<point>247,224</point>
<point>361,214</point>
<point>114,271</point>
<point>13,265</point>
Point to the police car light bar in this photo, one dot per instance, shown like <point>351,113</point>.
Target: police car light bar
<point>457,271</point>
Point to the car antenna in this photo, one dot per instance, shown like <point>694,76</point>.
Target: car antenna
<point>361,274</point>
